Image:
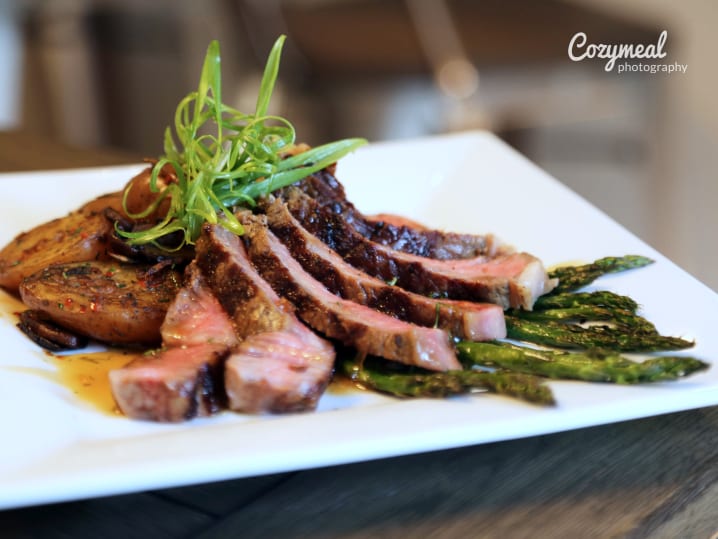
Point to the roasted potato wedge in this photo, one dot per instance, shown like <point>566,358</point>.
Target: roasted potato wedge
<point>77,237</point>
<point>140,196</point>
<point>106,301</point>
<point>101,203</point>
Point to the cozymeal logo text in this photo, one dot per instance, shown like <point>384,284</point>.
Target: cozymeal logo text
<point>579,49</point>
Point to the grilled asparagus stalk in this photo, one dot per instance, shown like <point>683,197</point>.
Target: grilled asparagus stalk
<point>597,325</point>
<point>380,376</point>
<point>562,335</point>
<point>600,319</point>
<point>574,277</point>
<point>593,366</point>
<point>600,298</point>
<point>619,318</point>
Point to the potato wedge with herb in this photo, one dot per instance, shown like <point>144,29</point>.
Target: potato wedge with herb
<point>106,301</point>
<point>140,198</point>
<point>77,237</point>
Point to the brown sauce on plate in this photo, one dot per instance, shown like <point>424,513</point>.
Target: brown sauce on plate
<point>10,307</point>
<point>86,375</point>
<point>341,385</point>
<point>83,373</point>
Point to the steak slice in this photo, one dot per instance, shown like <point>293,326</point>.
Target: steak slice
<point>185,378</point>
<point>279,371</point>
<point>196,317</point>
<point>174,385</point>
<point>462,319</point>
<point>510,280</point>
<point>281,365</point>
<point>328,191</point>
<point>250,301</point>
<point>370,331</point>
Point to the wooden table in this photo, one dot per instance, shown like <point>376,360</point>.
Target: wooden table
<point>656,477</point>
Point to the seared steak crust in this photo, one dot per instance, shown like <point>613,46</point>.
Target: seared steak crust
<point>329,192</point>
<point>185,378</point>
<point>280,365</point>
<point>250,302</point>
<point>368,330</point>
<point>510,280</point>
<point>463,319</point>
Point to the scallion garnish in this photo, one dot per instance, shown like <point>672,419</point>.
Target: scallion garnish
<point>224,158</point>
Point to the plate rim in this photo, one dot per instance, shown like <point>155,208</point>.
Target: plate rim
<point>42,482</point>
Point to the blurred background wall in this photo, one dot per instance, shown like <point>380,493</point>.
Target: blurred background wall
<point>640,146</point>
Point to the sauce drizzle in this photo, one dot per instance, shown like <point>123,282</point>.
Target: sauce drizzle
<point>86,375</point>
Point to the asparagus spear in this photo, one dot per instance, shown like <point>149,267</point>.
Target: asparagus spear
<point>626,321</point>
<point>553,320</point>
<point>602,298</point>
<point>595,366</point>
<point>561,335</point>
<point>377,375</point>
<point>575,277</point>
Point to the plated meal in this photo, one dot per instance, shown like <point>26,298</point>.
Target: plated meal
<point>241,276</point>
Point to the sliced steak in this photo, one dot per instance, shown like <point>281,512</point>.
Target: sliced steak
<point>279,371</point>
<point>196,317</point>
<point>175,384</point>
<point>462,319</point>
<point>250,301</point>
<point>370,331</point>
<point>510,280</point>
<point>185,378</point>
<point>281,365</point>
<point>417,240</point>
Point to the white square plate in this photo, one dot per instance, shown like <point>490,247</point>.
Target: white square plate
<point>56,448</point>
